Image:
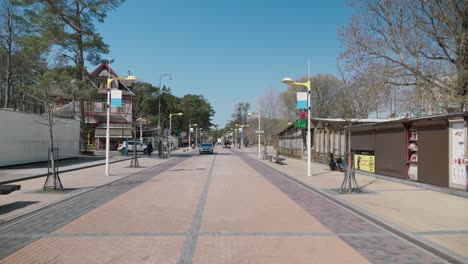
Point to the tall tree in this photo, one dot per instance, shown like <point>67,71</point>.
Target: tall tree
<point>16,36</point>
<point>71,25</point>
<point>240,112</point>
<point>271,108</point>
<point>49,87</point>
<point>197,109</point>
<point>424,43</point>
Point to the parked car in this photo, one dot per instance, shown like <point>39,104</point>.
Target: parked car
<point>140,147</point>
<point>206,148</point>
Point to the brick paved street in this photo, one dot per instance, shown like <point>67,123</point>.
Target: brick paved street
<point>223,208</point>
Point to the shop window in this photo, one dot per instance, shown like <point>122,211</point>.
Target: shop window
<point>89,106</point>
<point>412,156</point>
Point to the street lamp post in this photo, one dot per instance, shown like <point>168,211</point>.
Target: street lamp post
<point>288,80</point>
<point>109,82</point>
<point>170,128</point>
<point>189,138</point>
<point>159,98</point>
<point>141,128</point>
<point>251,114</point>
<point>170,121</point>
<point>242,133</point>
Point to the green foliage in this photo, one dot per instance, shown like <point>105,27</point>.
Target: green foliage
<point>195,108</point>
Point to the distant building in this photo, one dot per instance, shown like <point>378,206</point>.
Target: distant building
<point>96,113</point>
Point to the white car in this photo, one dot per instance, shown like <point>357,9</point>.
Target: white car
<point>140,147</point>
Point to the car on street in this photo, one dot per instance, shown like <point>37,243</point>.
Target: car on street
<point>140,147</point>
<point>206,148</point>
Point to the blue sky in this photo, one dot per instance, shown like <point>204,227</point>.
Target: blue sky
<point>227,51</point>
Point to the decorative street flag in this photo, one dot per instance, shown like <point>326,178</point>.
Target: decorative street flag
<point>116,98</point>
<point>301,102</point>
<point>191,130</point>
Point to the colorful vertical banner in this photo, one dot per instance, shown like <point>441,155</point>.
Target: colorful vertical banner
<point>116,98</point>
<point>301,100</point>
<point>458,154</point>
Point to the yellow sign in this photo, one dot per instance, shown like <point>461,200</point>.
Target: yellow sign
<point>364,163</point>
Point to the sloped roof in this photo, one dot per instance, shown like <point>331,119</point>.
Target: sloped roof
<point>104,69</point>
<point>65,111</point>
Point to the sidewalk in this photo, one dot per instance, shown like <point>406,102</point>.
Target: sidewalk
<point>426,214</point>
<point>77,176</point>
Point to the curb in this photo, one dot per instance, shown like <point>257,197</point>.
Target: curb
<point>60,171</point>
<point>6,221</point>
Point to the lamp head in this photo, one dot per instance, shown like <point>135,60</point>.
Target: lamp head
<point>287,80</point>
<point>180,113</point>
<point>131,78</point>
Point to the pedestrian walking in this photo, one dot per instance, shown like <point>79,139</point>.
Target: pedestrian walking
<point>150,149</point>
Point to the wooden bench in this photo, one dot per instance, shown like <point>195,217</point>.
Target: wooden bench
<point>9,188</point>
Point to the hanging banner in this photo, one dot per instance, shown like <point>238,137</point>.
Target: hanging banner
<point>301,102</point>
<point>364,162</point>
<point>191,130</point>
<point>116,98</point>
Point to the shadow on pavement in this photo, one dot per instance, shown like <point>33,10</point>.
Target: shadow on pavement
<point>15,206</point>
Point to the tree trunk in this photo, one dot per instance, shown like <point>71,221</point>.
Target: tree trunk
<point>134,163</point>
<point>53,181</point>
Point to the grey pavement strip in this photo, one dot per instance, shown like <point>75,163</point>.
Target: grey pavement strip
<point>158,234</point>
<point>38,235</point>
<point>56,216</point>
<point>190,243</point>
<point>293,234</point>
<point>443,232</point>
<point>341,218</point>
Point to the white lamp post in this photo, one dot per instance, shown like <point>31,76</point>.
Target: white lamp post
<point>258,115</point>
<point>109,82</point>
<point>141,128</point>
<point>189,135</point>
<point>170,128</point>
<point>170,121</point>
<point>242,133</point>
<point>307,85</point>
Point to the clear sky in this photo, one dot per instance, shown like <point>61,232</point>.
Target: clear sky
<point>228,51</point>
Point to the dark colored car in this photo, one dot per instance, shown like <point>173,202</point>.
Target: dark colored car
<point>206,148</point>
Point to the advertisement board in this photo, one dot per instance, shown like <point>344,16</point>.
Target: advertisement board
<point>458,154</point>
<point>364,162</point>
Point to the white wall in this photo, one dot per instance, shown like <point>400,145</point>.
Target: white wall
<point>24,140</point>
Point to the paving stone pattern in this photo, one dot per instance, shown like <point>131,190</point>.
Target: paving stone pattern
<point>49,220</point>
<point>378,246</point>
<point>191,239</point>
